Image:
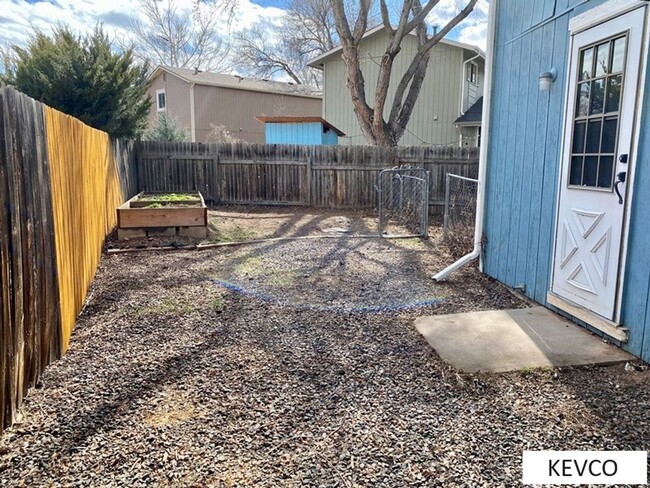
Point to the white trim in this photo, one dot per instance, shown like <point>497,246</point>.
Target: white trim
<point>158,108</point>
<point>558,177</point>
<point>602,13</point>
<point>315,62</point>
<point>632,160</point>
<point>605,326</point>
<point>464,81</point>
<point>192,116</point>
<point>631,172</point>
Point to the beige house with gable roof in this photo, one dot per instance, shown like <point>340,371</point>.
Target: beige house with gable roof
<point>198,99</point>
<point>452,86</point>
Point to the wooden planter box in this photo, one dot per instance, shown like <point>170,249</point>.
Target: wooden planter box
<point>139,217</point>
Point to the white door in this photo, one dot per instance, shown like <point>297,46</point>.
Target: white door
<point>600,111</point>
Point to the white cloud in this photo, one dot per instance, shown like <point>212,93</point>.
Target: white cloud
<point>18,18</point>
<point>473,30</point>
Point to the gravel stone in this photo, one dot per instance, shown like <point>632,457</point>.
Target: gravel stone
<point>296,363</point>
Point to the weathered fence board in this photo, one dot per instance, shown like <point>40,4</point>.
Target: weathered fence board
<point>321,176</point>
<point>30,333</point>
<point>60,182</point>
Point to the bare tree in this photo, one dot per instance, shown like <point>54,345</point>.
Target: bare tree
<point>306,31</point>
<point>377,130</point>
<point>175,37</point>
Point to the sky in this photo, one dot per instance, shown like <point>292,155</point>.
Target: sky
<point>18,18</point>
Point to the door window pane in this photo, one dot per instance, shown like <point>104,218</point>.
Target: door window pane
<point>613,98</point>
<point>575,175</point>
<point>597,96</point>
<point>579,137</point>
<point>586,64</point>
<point>582,103</point>
<point>592,162</point>
<point>608,144</point>
<point>602,59</point>
<point>605,171</point>
<point>593,137</point>
<point>590,171</point>
<point>618,55</point>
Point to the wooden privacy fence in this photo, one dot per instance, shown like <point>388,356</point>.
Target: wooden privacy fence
<point>321,176</point>
<point>60,182</point>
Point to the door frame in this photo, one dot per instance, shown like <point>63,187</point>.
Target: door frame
<point>600,14</point>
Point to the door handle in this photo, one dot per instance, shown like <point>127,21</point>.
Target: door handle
<point>620,178</point>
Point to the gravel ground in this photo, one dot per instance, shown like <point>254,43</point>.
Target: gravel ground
<point>297,364</point>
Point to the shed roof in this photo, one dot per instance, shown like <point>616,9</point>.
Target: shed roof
<point>239,82</point>
<point>473,115</point>
<point>317,62</point>
<point>283,119</point>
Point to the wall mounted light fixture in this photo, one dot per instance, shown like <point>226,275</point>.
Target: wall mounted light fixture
<point>546,79</point>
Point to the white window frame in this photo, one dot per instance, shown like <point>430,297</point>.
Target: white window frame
<point>473,67</point>
<point>158,107</point>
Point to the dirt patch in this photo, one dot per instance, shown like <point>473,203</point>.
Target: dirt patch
<point>244,223</point>
<point>297,364</point>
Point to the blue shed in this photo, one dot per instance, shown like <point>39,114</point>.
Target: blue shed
<point>566,165</point>
<point>300,130</point>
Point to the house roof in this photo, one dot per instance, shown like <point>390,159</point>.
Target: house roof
<point>239,82</point>
<point>317,62</point>
<point>473,114</point>
<point>288,119</point>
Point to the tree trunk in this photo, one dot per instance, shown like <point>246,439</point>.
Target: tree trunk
<point>374,127</point>
<point>357,89</point>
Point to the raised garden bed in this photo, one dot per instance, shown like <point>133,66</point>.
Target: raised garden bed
<point>163,214</point>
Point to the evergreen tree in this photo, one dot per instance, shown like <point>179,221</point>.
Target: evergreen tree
<point>82,77</point>
<point>166,129</point>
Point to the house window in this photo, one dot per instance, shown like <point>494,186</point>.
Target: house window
<point>161,100</point>
<point>595,119</point>
<point>472,73</point>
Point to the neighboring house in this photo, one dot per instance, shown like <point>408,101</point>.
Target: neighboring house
<point>453,84</point>
<point>469,125</point>
<point>202,100</point>
<point>300,130</point>
<point>567,197</point>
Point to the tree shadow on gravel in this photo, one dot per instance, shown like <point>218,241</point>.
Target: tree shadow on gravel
<point>317,366</point>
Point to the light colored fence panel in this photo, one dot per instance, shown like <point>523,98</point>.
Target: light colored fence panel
<point>86,190</point>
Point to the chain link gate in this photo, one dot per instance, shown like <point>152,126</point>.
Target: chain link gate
<point>403,202</point>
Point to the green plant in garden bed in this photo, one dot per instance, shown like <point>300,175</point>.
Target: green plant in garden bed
<point>169,197</point>
<point>175,205</point>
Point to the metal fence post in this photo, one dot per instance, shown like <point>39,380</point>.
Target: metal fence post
<point>445,225</point>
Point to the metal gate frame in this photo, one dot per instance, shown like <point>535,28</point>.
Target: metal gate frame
<point>400,174</point>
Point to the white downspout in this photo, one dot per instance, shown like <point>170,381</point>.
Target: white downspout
<point>482,163</point>
<point>192,121</point>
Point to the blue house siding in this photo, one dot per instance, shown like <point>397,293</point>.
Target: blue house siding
<point>524,149</point>
<point>301,133</point>
<point>524,161</point>
<point>330,138</point>
<point>309,133</point>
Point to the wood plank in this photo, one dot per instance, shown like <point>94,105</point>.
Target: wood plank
<point>161,217</point>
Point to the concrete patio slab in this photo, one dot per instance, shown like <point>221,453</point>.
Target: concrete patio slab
<point>509,340</point>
